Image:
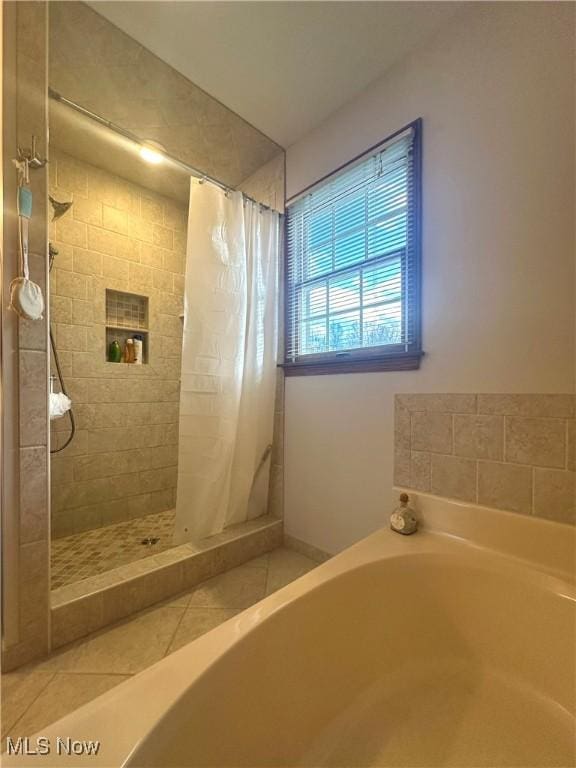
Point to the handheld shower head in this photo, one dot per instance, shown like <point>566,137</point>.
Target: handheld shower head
<point>58,209</point>
<point>52,253</point>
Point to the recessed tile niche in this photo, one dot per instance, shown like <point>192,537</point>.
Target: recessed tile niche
<point>126,315</point>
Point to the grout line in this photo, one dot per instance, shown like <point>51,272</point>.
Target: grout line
<point>189,607</point>
<point>173,636</point>
<point>35,699</point>
<point>267,576</point>
<point>108,674</point>
<point>521,464</point>
<point>66,672</point>
<point>566,442</point>
<point>477,480</point>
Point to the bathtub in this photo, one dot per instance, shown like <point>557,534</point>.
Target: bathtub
<point>452,647</point>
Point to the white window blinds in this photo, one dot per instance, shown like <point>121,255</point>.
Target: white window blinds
<point>352,261</point>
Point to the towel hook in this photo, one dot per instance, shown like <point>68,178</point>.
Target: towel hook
<point>30,157</point>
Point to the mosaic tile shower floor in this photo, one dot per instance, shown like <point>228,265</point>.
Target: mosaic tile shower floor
<point>82,555</point>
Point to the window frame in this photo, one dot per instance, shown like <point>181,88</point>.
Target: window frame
<point>402,357</point>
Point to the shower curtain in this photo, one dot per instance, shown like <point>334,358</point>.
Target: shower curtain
<point>229,355</point>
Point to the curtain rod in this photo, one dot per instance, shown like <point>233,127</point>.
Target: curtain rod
<point>142,142</point>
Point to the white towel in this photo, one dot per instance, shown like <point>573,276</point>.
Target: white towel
<point>59,404</point>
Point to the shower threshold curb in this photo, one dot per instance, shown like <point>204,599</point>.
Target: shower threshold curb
<point>87,606</point>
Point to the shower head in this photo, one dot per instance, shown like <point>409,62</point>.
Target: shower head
<point>58,209</point>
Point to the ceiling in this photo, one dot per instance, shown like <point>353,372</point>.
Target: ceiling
<point>282,66</point>
<point>95,64</point>
<point>87,140</point>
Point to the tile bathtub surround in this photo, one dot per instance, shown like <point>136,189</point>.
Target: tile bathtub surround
<point>511,452</point>
<point>122,463</point>
<point>39,694</point>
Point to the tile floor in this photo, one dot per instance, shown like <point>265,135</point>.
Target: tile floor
<point>82,555</point>
<point>37,695</point>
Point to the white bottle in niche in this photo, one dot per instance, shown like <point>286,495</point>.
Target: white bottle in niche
<point>138,347</point>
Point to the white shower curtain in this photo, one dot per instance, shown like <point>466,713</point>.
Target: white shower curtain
<point>228,361</point>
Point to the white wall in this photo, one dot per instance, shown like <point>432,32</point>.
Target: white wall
<point>496,92</point>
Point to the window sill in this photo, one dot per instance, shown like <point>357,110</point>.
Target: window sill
<point>404,362</point>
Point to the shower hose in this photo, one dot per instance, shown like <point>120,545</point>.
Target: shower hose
<point>52,253</point>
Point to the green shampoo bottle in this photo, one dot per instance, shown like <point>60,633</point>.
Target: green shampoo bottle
<point>114,352</point>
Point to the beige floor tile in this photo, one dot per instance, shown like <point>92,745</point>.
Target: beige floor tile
<point>18,690</point>
<point>65,693</point>
<point>125,648</point>
<point>56,661</point>
<point>181,601</point>
<point>198,621</point>
<point>285,566</point>
<point>41,693</point>
<point>238,588</point>
<point>258,562</point>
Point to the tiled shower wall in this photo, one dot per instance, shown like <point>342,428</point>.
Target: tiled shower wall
<point>267,184</point>
<point>122,463</point>
<point>25,534</point>
<point>511,452</point>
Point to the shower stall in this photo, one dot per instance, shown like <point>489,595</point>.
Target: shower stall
<point>90,496</point>
<point>114,452</point>
<point>128,476</point>
<point>118,280</point>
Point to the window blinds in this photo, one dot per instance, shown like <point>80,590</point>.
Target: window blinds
<point>352,262</point>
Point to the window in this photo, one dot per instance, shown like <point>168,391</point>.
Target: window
<point>353,265</point>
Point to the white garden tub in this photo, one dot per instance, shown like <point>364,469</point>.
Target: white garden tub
<point>429,650</point>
